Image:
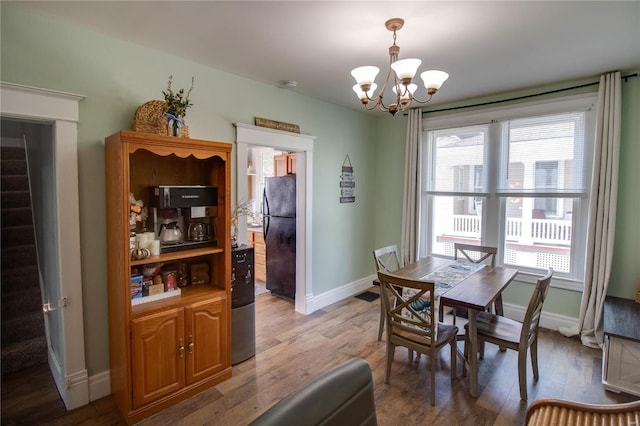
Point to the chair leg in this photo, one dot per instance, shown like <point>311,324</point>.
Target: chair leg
<point>454,358</point>
<point>433,378</point>
<point>499,311</point>
<point>522,373</point>
<point>391,349</point>
<point>534,357</point>
<point>465,351</point>
<point>382,320</point>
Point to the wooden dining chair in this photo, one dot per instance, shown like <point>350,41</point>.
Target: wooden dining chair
<point>412,323</point>
<point>511,334</point>
<point>473,254</point>
<point>387,259</point>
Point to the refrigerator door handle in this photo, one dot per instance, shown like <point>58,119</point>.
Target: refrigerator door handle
<point>265,203</point>
<point>265,214</point>
<point>265,227</point>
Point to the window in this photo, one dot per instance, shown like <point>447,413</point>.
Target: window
<point>518,182</point>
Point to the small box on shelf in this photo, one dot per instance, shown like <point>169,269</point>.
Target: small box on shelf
<point>136,286</point>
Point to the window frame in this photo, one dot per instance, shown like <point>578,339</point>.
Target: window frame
<point>493,231</point>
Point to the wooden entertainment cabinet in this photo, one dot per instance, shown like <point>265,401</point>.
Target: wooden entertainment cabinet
<point>167,350</point>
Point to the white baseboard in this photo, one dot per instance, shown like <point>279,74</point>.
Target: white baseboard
<point>99,385</point>
<point>327,298</point>
<point>73,388</point>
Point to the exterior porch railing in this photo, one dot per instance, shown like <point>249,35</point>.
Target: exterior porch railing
<point>542,231</point>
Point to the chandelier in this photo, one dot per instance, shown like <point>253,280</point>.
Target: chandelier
<point>404,71</point>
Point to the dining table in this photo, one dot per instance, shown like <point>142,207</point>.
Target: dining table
<point>463,285</point>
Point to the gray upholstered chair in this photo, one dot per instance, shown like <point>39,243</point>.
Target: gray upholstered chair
<point>340,396</point>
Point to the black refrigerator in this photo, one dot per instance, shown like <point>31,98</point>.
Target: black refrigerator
<point>279,227</point>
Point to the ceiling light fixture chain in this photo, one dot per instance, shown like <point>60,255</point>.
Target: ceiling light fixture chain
<point>404,71</point>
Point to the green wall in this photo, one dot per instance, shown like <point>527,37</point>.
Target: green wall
<point>116,77</point>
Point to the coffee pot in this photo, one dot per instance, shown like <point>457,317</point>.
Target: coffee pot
<point>199,231</point>
<point>170,233</point>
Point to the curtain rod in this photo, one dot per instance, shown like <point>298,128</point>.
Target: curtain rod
<point>624,77</point>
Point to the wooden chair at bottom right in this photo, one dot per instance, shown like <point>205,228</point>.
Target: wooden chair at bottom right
<point>557,412</point>
<point>511,334</point>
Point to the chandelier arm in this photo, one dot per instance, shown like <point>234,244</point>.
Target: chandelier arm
<point>420,101</point>
<point>386,82</point>
<point>380,103</point>
<point>373,106</point>
<point>375,102</point>
<point>383,108</point>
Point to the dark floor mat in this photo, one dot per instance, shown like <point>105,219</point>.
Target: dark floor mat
<point>368,296</point>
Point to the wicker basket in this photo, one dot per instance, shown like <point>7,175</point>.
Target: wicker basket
<point>150,118</point>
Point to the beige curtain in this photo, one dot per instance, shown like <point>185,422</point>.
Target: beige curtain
<point>411,199</point>
<point>602,212</point>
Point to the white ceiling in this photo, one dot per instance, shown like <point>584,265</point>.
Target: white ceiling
<point>486,47</point>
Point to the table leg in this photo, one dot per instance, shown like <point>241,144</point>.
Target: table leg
<point>473,353</point>
<point>499,311</point>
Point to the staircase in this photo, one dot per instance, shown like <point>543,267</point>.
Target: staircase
<point>23,336</point>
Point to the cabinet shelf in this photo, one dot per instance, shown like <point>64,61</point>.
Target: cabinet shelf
<point>178,255</point>
<point>188,295</point>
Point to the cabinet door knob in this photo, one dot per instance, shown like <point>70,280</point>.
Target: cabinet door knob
<point>180,348</point>
<point>190,345</point>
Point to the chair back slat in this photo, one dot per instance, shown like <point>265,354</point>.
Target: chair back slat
<point>476,254</point>
<point>534,309</point>
<point>409,305</point>
<point>387,259</point>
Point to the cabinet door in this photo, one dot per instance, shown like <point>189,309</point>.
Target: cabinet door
<point>291,164</point>
<point>158,360</point>
<point>260,257</point>
<point>280,164</point>
<point>206,332</point>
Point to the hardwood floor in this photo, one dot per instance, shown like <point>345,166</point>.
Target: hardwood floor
<point>293,348</point>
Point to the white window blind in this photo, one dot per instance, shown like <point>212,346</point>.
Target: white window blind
<point>458,161</point>
<point>544,156</point>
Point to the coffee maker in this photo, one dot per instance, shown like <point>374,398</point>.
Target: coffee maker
<point>184,216</point>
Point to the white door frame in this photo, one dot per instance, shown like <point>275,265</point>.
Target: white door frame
<point>248,135</point>
<point>61,111</point>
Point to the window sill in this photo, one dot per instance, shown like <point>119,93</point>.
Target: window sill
<point>556,282</point>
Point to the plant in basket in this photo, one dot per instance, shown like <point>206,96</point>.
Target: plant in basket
<point>176,106</point>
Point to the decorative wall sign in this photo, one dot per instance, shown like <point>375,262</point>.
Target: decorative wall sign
<point>277,125</point>
<point>347,182</point>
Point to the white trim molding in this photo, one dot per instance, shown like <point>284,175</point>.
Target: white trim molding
<point>249,135</point>
<point>61,110</point>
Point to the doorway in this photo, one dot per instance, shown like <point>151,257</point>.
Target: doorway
<point>254,136</point>
<point>58,112</point>
<point>261,164</point>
